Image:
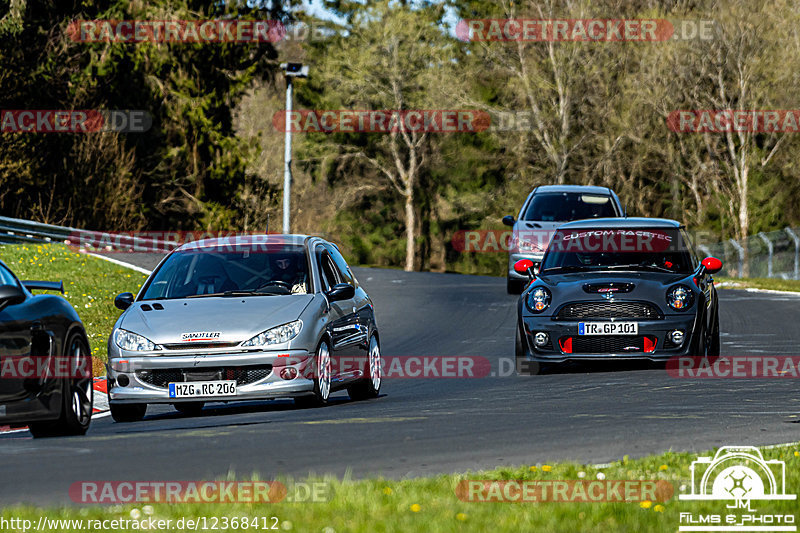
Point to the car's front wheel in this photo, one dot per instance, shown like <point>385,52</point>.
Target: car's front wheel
<point>370,386</point>
<point>128,412</point>
<point>525,367</point>
<point>76,396</point>
<point>322,379</point>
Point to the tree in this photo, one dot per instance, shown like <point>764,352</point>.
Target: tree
<point>388,59</point>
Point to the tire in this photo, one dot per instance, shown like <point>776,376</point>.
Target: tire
<point>322,379</point>
<point>700,346</point>
<point>128,412</point>
<point>514,286</point>
<point>713,342</point>
<point>370,386</point>
<point>77,395</point>
<point>524,366</point>
<point>189,408</point>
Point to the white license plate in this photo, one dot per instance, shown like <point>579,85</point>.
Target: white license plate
<point>608,328</point>
<point>197,389</point>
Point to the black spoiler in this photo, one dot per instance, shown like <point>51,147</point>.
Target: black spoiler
<point>44,285</point>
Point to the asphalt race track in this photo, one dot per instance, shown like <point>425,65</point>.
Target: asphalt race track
<point>425,426</point>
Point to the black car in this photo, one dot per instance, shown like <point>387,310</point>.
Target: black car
<point>45,362</point>
<point>617,288</point>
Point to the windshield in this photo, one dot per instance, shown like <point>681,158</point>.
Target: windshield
<point>661,250</point>
<point>568,206</point>
<point>218,271</point>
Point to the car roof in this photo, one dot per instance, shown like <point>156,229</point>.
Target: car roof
<point>244,240</point>
<point>632,222</point>
<point>590,189</point>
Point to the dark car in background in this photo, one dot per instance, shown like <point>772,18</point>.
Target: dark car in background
<point>45,362</point>
<point>621,288</point>
<point>546,208</point>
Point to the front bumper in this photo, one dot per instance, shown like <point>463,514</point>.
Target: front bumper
<point>651,343</point>
<point>143,387</point>
<point>513,257</point>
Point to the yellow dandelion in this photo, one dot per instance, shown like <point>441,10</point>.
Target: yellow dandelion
<point>646,504</point>
<point>415,508</point>
<point>461,517</point>
<point>662,467</point>
<point>659,508</point>
<point>387,490</point>
<point>533,469</point>
<point>546,468</point>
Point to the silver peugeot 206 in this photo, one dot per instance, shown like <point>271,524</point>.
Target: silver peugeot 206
<point>243,318</point>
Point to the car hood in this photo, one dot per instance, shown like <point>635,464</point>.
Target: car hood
<point>234,319</point>
<point>650,286</point>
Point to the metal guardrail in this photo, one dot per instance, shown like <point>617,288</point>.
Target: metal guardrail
<point>773,254</point>
<point>15,230</point>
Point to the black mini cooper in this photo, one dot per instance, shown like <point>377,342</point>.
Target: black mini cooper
<point>617,288</point>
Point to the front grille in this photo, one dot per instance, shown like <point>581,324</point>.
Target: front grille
<point>610,344</point>
<point>581,310</point>
<point>244,375</point>
<point>199,345</point>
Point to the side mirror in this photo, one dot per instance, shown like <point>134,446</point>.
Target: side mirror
<point>124,300</point>
<point>524,267</point>
<point>342,291</point>
<point>712,265</point>
<point>11,295</point>
<point>508,220</point>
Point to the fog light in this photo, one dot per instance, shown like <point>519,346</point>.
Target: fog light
<point>123,380</point>
<point>289,372</point>
<point>677,336</point>
<point>541,338</point>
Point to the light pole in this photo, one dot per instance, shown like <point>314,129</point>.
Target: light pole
<point>291,70</point>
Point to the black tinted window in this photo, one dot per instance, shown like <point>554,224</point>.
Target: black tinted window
<point>657,249</point>
<point>567,206</point>
<point>341,265</point>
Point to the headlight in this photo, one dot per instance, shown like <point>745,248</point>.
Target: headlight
<point>538,299</point>
<point>133,342</point>
<point>278,335</point>
<point>680,297</point>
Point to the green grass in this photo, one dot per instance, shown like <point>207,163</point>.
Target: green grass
<point>90,284</point>
<point>760,283</point>
<point>431,504</point>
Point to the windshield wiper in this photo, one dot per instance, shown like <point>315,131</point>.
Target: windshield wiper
<point>238,292</point>
<point>567,268</point>
<point>635,267</point>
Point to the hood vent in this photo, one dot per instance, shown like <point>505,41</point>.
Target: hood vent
<point>612,287</point>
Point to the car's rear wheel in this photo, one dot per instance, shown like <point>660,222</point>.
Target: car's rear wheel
<point>370,386</point>
<point>514,286</point>
<point>189,408</point>
<point>76,396</point>
<point>128,412</point>
<point>322,379</point>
